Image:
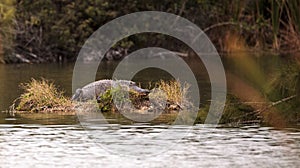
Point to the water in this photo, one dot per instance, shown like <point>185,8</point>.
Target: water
<point>34,145</point>
<point>50,140</point>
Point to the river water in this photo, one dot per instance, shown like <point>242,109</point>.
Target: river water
<point>30,145</point>
<point>49,140</point>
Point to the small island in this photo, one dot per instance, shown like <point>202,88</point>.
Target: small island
<point>43,97</point>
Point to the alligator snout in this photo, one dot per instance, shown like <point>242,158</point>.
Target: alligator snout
<point>140,90</point>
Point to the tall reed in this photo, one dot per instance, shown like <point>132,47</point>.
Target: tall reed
<point>275,16</point>
<point>294,13</point>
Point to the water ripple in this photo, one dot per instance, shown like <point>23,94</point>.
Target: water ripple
<point>71,146</point>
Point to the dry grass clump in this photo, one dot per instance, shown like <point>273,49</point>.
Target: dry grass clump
<point>175,92</point>
<point>42,96</point>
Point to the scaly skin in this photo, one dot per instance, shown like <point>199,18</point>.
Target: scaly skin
<point>94,89</point>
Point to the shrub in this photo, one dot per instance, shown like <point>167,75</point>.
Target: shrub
<point>175,92</point>
<point>42,96</point>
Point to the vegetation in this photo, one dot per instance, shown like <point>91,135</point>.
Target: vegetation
<point>106,100</point>
<point>54,31</point>
<point>235,113</point>
<point>42,96</point>
<point>274,94</point>
<point>7,28</point>
<point>169,92</point>
<point>176,94</point>
<point>285,85</point>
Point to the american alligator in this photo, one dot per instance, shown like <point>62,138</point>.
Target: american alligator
<point>97,88</point>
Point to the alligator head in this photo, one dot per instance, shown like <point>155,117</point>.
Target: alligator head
<point>132,86</point>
